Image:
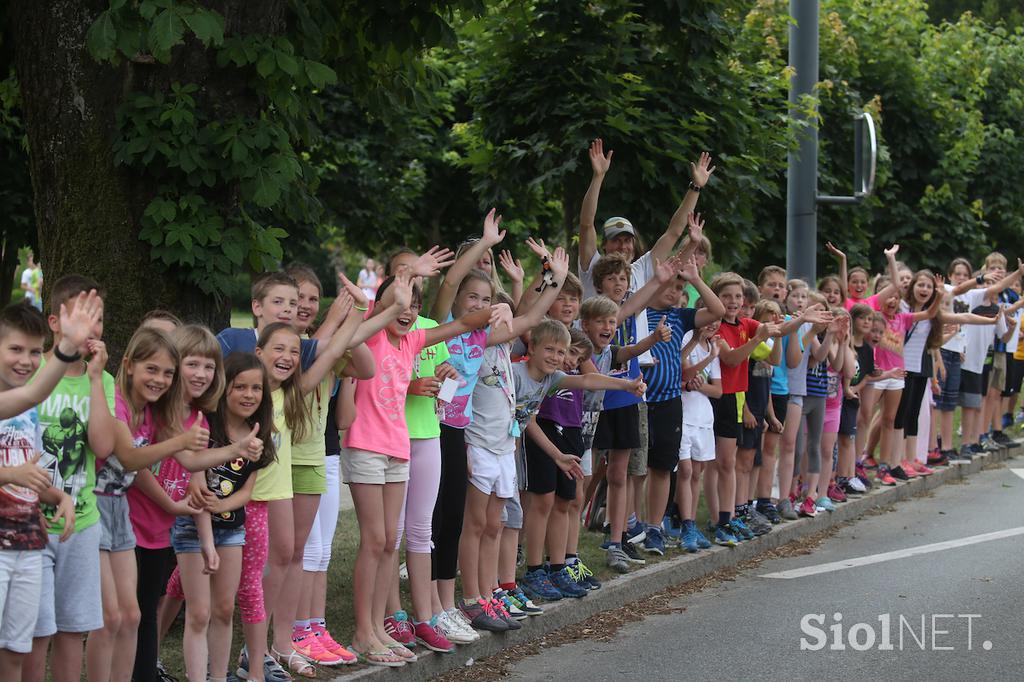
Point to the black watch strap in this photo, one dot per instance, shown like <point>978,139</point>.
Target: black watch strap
<point>66,358</point>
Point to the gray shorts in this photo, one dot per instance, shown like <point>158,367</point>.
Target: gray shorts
<point>19,597</point>
<point>638,457</point>
<point>72,570</point>
<point>118,534</point>
<point>512,514</point>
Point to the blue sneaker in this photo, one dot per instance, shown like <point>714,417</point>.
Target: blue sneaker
<point>702,540</point>
<point>654,543</point>
<point>635,535</point>
<point>824,503</point>
<point>538,585</point>
<point>670,530</point>
<point>724,537</point>
<point>583,576</point>
<point>564,583</point>
<point>740,529</point>
<point>689,540</point>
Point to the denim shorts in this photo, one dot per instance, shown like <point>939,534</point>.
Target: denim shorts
<point>117,532</point>
<point>185,536</point>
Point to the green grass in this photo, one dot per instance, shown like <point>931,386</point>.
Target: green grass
<point>241,318</point>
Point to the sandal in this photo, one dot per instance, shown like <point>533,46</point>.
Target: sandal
<point>403,652</point>
<point>295,662</point>
<point>385,658</point>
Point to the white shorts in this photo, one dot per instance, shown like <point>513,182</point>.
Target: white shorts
<point>492,473</point>
<point>889,385</point>
<point>697,443</point>
<point>587,463</point>
<point>21,573</point>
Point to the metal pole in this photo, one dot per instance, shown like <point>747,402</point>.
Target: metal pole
<point>802,179</point>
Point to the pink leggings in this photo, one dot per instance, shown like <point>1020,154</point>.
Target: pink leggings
<point>420,494</point>
<point>254,559</point>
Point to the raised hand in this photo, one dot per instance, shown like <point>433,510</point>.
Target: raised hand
<point>501,315</point>
<point>689,271</point>
<point>433,261</point>
<point>599,163</point>
<point>78,319</point>
<point>665,272</point>
<point>512,267</point>
<point>251,447</point>
<point>940,284</point>
<point>357,294</point>
<point>538,247</point>
<point>695,225</point>
<point>839,255</point>
<point>892,250</point>
<point>402,290</point>
<point>492,235</point>
<point>97,351</point>
<point>343,305</point>
<point>662,332</point>
<point>559,262</point>
<point>701,171</point>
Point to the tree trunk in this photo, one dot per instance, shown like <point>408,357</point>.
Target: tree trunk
<point>87,209</point>
<point>8,265</point>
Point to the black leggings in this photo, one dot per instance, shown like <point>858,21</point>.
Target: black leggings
<point>450,506</point>
<point>155,567</point>
<point>910,403</point>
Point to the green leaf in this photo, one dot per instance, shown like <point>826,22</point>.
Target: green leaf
<point>287,63</point>
<point>207,25</point>
<point>166,32</point>
<point>266,64</point>
<point>101,38</point>
<point>319,74</point>
<point>266,188</point>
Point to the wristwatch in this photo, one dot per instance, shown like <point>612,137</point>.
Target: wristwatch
<point>694,187</point>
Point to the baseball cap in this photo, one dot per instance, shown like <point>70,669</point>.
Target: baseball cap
<point>613,227</point>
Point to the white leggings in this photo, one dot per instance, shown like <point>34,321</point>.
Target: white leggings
<point>317,554</point>
<point>420,495</point>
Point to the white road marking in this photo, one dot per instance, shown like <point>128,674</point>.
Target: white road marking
<point>898,554</point>
<point>1019,472</point>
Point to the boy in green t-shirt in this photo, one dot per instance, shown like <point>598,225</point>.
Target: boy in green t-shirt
<point>78,427</point>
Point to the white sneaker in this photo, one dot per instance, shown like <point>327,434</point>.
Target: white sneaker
<point>459,619</point>
<point>858,485</point>
<point>453,630</point>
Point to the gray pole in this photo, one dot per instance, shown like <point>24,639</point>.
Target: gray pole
<point>802,179</point>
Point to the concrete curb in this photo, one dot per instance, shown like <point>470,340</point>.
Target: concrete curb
<point>649,580</point>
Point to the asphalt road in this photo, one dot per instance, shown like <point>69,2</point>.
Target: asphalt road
<point>970,595</point>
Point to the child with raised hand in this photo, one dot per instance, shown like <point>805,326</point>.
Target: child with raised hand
<point>244,407</point>
<point>665,386</point>
<point>23,485</point>
<point>703,377</point>
<point>839,367</point>
<point>375,462</point>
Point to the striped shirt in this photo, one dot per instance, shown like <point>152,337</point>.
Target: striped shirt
<point>665,378</point>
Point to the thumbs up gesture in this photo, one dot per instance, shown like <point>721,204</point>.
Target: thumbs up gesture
<point>251,447</point>
<point>197,437</point>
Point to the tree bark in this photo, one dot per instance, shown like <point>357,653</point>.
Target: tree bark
<point>87,209</point>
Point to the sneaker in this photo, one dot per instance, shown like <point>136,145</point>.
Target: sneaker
<point>770,512</point>
<point>884,476</point>
<point>670,529</point>
<point>636,535</point>
<point>510,605</point>
<point>564,583</point>
<point>617,559</point>
<point>862,476</point>
<point>654,542</point>
<point>786,510</point>
<point>949,455</point>
<point>525,605</point>
<point>724,537</point>
<point>689,540</point>
<point>272,670</point>
<point>481,616</point>
<point>757,521</point>
<point>457,618</point>
<point>403,571</point>
<point>740,529</point>
<point>835,493</point>
<point>454,631</point>
<point>823,503</point>
<point>502,613</point>
<point>919,469</point>
<point>901,474</point>
<point>1007,420</point>
<point>399,628</point>
<point>1003,439</point>
<point>854,486</point>
<point>807,508</point>
<point>937,458</point>
<point>309,646</point>
<point>988,444</point>
<point>430,635</point>
<point>586,574</point>
<point>632,555</point>
<point>966,452</point>
<point>869,462</point>
<point>161,673</point>
<point>537,584</point>
<point>702,540</point>
<point>327,642</point>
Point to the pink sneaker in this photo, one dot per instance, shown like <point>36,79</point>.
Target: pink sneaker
<point>328,643</point>
<point>835,494</point>
<point>398,628</point>
<point>308,646</point>
<point>807,508</point>
<point>921,469</point>
<point>429,635</point>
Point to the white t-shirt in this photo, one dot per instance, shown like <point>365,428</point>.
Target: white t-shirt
<point>697,410</point>
<point>26,279</point>
<point>979,336</point>
<point>958,343</point>
<point>640,273</point>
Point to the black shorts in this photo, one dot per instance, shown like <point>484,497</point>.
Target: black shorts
<point>972,382</point>
<point>986,372</point>
<point>1013,376</point>
<point>727,423</point>
<point>618,429</point>
<point>542,474</point>
<point>664,434</point>
<point>750,439</point>
<point>780,404</point>
<point>848,417</point>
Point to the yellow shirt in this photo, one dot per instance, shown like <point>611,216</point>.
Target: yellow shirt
<point>274,482</point>
<point>313,450</point>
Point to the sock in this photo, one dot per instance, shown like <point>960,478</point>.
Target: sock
<point>318,622</point>
<point>632,521</point>
<point>571,559</point>
<point>763,501</point>
<point>508,587</point>
<point>741,509</point>
<point>468,602</point>
<point>555,568</point>
<point>614,544</point>
<point>689,523</point>
<point>723,518</point>
<point>302,625</point>
<point>531,569</point>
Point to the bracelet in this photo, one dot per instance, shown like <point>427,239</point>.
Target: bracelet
<point>66,358</point>
<point>980,279</point>
<point>361,309</point>
<point>693,187</point>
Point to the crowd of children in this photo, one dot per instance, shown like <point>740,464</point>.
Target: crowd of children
<point>207,473</point>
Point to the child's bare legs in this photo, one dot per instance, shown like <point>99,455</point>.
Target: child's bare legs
<point>828,446</point>
<point>197,616</point>
<point>110,651</point>
<point>686,487</point>
<point>710,491</point>
<point>224,584</point>
<point>787,448</point>
<point>635,496</point>
<point>535,525</point>
<point>508,549</point>
<point>847,458</point>
<point>725,460</point>
<point>488,561</point>
<point>618,463</point>
<point>744,470</point>
<point>868,399</point>
<point>875,430</point>
<point>769,458</point>
<point>572,529</point>
<point>393,497</point>
<point>368,500</point>
<point>10,664</point>
<point>658,485</point>
<point>473,524</point>
<point>304,509</point>
<point>891,448</point>
<point>167,614</point>
<point>557,535</point>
